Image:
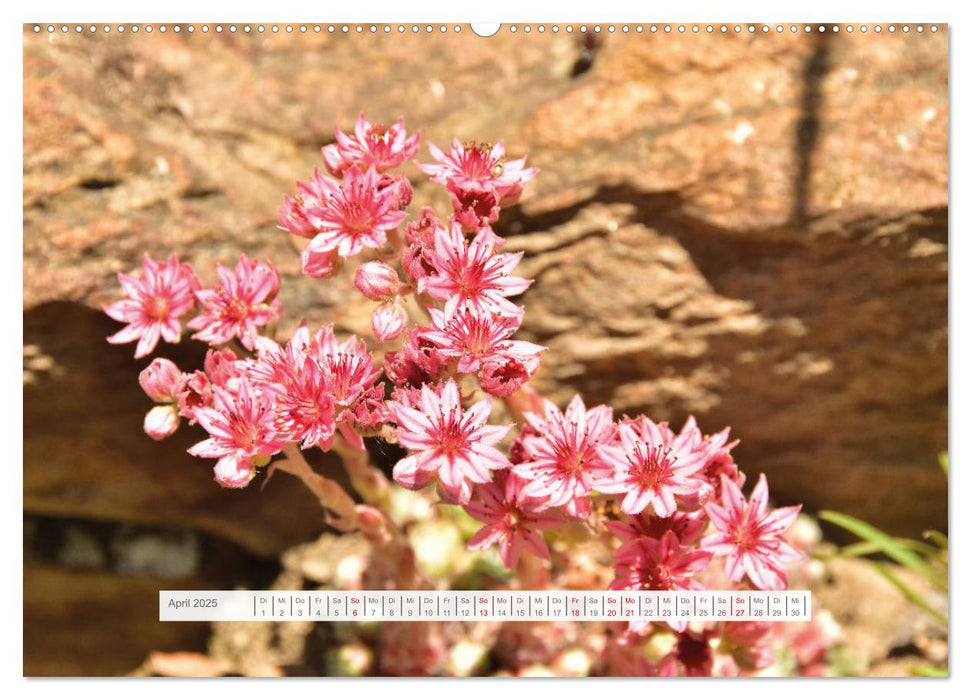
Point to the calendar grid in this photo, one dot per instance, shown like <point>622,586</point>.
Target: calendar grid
<point>525,606</point>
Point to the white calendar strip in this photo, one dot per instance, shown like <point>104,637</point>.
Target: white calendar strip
<point>524,606</point>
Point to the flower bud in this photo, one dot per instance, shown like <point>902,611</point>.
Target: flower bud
<point>161,421</point>
<point>318,264</point>
<point>389,321</point>
<point>374,525</point>
<point>161,380</point>
<point>234,472</point>
<point>377,280</point>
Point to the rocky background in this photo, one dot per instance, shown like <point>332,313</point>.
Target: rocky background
<point>749,228</point>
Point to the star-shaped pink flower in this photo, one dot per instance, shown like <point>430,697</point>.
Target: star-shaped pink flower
<point>750,536</point>
<point>154,305</point>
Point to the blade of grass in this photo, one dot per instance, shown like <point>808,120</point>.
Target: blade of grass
<point>929,672</point>
<point>910,594</point>
<point>938,538</point>
<point>859,549</point>
<point>887,544</point>
<point>928,550</point>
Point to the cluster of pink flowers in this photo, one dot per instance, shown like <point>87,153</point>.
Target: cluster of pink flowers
<point>671,502</point>
<point>237,307</point>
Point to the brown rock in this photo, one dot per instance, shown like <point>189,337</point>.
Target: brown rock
<point>93,623</point>
<point>750,228</point>
<point>875,619</point>
<point>85,453</point>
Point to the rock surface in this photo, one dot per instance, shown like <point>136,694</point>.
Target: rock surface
<point>85,454</point>
<point>95,623</point>
<point>750,228</point>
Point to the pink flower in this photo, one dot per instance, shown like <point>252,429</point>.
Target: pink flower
<point>348,365</point>
<point>720,462</point>
<point>658,565</point>
<point>503,376</point>
<point>195,393</point>
<point>474,337</point>
<point>349,377</point>
<point>751,537</point>
<point>161,421</point>
<point>401,188</point>
<point>389,321</point>
<point>809,642</point>
<point>418,362</point>
<point>225,369</point>
<point>355,215</point>
<point>293,217</point>
<point>304,409</point>
<point>512,520</point>
<point>627,659</point>
<point>320,386</point>
<point>420,236</point>
<point>479,165</point>
<point>691,656</point>
<point>369,412</point>
<point>447,441</point>
<point>377,280</point>
<point>687,526</point>
<point>161,380</point>
<point>421,231</point>
<point>474,206</point>
<point>154,304</point>
<point>651,467</point>
<point>750,643</point>
<point>564,463</point>
<point>303,406</point>
<point>275,363</point>
<point>241,434</point>
<point>472,275</point>
<point>242,303</point>
<point>412,649</point>
<point>375,145</point>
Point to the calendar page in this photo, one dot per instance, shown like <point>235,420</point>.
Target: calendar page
<point>365,347</point>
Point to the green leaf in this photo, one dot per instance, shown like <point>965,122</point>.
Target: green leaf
<point>910,594</point>
<point>929,672</point>
<point>938,538</point>
<point>942,458</point>
<point>917,546</point>
<point>859,549</point>
<point>885,544</point>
